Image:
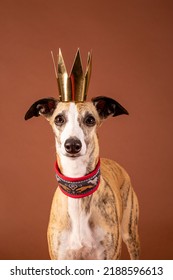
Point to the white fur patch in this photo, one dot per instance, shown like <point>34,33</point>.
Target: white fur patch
<point>72,167</point>
<point>81,235</point>
<point>72,129</point>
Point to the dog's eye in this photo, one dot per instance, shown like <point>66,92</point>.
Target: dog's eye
<point>59,120</point>
<point>90,120</point>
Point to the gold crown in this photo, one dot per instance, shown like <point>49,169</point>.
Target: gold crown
<point>73,87</point>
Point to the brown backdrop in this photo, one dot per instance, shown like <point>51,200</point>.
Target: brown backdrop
<point>132,62</point>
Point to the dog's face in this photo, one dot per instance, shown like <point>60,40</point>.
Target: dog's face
<point>75,124</point>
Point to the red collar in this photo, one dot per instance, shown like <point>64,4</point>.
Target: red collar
<point>79,187</point>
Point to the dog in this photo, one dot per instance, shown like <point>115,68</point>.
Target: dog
<point>94,207</point>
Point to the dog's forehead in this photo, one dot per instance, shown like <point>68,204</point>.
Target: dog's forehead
<point>86,107</point>
<point>75,108</point>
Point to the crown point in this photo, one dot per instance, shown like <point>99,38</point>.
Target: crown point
<point>54,64</point>
<point>61,64</point>
<point>77,65</point>
<point>89,62</point>
<point>60,52</point>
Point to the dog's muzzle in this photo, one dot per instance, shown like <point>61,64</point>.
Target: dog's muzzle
<point>72,146</point>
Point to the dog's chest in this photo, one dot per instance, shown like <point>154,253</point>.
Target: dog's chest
<point>81,241</point>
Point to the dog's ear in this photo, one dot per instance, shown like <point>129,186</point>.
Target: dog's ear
<point>108,107</point>
<point>44,107</point>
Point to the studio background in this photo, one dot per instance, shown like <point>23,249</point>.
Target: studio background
<point>132,46</point>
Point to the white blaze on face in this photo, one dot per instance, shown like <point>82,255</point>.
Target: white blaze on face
<point>71,167</point>
<point>72,129</point>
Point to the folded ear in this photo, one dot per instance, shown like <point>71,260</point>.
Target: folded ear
<point>44,107</point>
<point>108,107</point>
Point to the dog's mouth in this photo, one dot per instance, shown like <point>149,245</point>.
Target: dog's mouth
<point>70,155</point>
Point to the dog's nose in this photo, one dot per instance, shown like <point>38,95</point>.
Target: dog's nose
<point>73,145</point>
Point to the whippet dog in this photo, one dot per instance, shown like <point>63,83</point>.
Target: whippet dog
<point>94,207</point>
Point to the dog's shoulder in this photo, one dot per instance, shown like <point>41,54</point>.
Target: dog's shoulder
<point>111,171</point>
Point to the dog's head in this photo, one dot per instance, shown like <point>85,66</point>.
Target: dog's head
<point>75,124</point>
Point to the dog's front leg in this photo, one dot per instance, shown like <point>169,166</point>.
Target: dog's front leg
<point>58,226</point>
<point>130,219</point>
